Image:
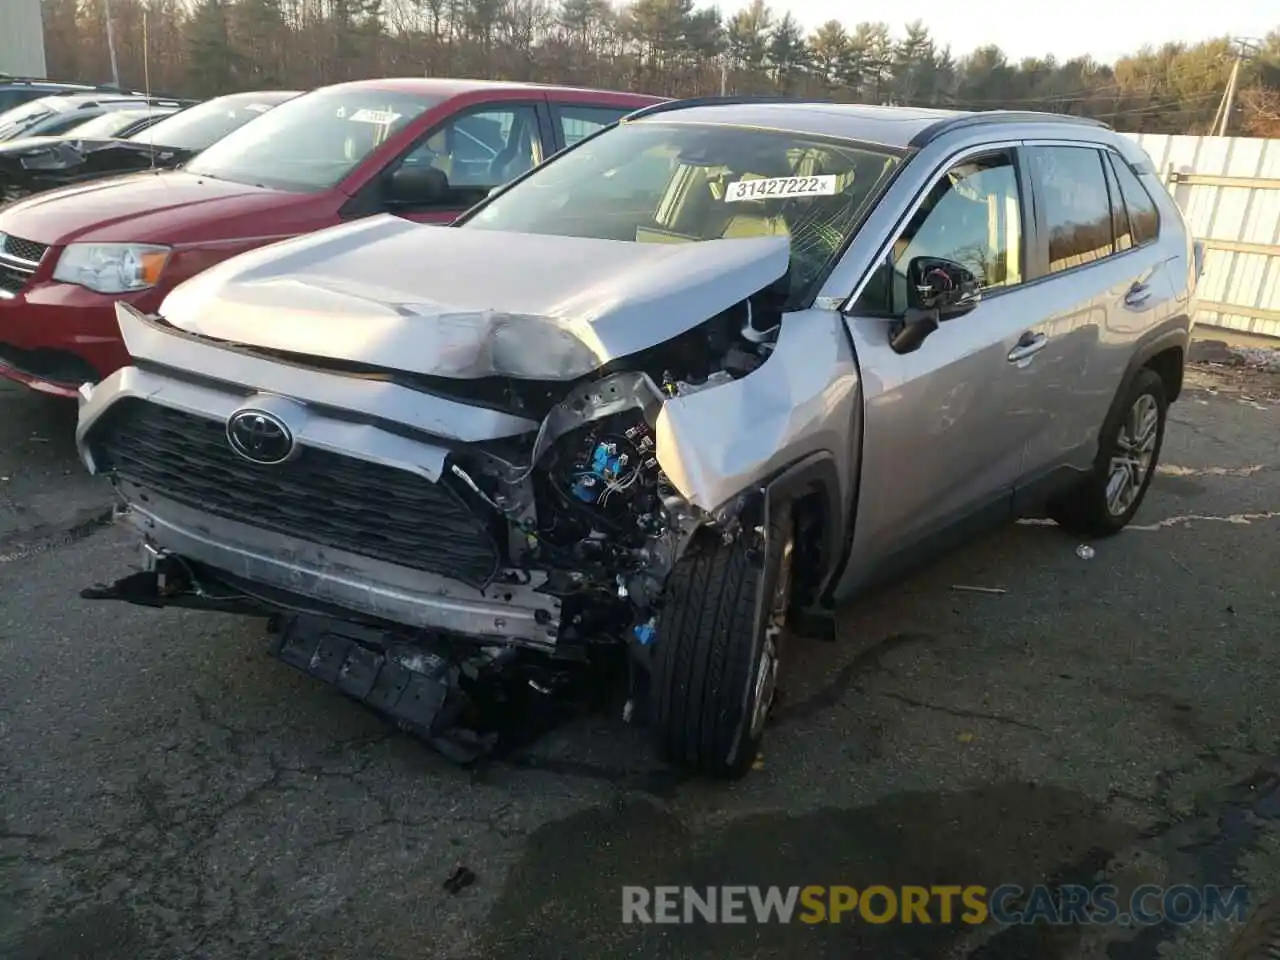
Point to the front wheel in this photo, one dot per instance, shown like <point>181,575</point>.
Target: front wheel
<point>1128,451</point>
<point>720,643</point>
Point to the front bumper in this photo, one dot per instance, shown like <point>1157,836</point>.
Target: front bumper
<point>56,336</point>
<point>369,421</point>
<point>503,612</point>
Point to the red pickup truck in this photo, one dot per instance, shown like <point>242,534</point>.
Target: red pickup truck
<point>425,149</point>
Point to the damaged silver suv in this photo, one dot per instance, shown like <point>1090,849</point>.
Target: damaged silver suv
<point>673,394</point>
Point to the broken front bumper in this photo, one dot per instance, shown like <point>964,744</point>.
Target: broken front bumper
<point>370,587</point>
<point>374,428</point>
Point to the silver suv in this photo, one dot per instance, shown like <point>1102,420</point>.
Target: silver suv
<point>687,385</point>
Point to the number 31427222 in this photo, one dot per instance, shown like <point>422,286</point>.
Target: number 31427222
<point>780,187</point>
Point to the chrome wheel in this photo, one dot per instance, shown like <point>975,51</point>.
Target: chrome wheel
<point>1134,452</point>
<point>767,669</point>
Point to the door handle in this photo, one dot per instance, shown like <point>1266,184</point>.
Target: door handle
<point>1028,345</point>
<point>1137,295</point>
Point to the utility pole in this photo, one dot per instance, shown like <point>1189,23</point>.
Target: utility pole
<point>111,42</point>
<point>1244,49</point>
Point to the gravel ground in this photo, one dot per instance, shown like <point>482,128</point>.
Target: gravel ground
<point>172,791</point>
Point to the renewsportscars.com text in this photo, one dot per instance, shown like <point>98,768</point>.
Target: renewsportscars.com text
<point>1008,904</point>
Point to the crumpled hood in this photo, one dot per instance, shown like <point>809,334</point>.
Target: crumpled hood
<point>468,303</point>
<point>61,153</point>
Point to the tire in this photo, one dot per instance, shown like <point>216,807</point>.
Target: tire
<point>1084,510</point>
<point>715,666</point>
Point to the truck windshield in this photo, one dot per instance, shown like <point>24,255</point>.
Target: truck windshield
<point>665,182</point>
<point>310,143</point>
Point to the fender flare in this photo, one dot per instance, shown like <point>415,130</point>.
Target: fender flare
<point>1174,332</point>
<point>814,474</point>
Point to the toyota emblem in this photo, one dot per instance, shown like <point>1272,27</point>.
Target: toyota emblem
<point>259,436</point>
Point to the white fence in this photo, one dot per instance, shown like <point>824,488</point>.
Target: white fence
<point>1229,190</point>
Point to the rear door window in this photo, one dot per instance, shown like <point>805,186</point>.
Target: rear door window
<point>1072,185</point>
<point>577,122</point>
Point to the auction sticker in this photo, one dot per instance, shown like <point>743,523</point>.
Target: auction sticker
<point>375,116</point>
<point>780,187</point>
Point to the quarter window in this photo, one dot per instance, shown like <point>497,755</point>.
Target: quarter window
<point>972,216</point>
<point>1077,208</point>
<point>1121,232</point>
<point>579,122</point>
<point>1144,219</point>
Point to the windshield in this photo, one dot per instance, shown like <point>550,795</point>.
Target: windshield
<point>312,142</point>
<point>200,126</point>
<point>13,122</point>
<point>110,124</point>
<point>657,182</point>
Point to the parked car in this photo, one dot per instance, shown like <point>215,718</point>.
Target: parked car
<point>15,91</point>
<point>698,378</point>
<point>35,164</point>
<point>117,123</point>
<point>423,148</point>
<point>54,116</point>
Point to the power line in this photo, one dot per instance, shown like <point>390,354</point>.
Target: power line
<point>1086,93</point>
<point>1244,49</point>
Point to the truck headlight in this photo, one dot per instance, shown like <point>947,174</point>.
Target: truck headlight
<point>111,267</point>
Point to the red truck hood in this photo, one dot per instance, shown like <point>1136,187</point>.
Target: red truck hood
<point>164,207</point>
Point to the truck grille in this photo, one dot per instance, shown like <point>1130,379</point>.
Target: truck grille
<point>321,497</point>
<point>18,261</point>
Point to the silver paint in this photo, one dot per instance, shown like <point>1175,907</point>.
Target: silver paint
<point>717,442</point>
<point>919,440</point>
<point>310,426</point>
<point>377,399</point>
<point>372,587</point>
<point>391,293</point>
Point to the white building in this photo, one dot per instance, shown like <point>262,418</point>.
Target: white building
<point>21,38</point>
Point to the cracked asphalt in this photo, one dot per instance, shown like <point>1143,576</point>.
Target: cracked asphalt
<point>171,791</point>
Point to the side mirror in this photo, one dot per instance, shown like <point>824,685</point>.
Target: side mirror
<point>941,285</point>
<point>416,187</point>
<point>937,290</point>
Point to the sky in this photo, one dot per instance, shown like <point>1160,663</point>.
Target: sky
<point>1104,29</point>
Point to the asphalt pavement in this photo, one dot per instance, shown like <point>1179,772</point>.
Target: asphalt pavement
<point>171,791</point>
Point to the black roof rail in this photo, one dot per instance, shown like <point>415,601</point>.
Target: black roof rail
<point>666,106</point>
<point>984,117</point>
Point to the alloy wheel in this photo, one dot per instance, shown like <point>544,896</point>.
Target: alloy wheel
<point>767,669</point>
<point>1134,452</point>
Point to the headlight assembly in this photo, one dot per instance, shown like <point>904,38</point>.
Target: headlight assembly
<point>533,349</point>
<point>112,267</point>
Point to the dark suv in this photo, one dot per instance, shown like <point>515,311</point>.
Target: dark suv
<point>56,115</point>
<point>15,91</point>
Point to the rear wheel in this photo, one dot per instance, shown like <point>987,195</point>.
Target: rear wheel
<point>720,642</point>
<point>1128,451</point>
